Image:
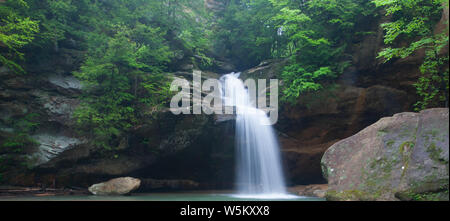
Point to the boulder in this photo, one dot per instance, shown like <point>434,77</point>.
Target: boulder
<point>404,157</point>
<point>315,190</point>
<point>118,186</point>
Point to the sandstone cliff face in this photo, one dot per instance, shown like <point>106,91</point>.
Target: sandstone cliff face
<point>317,120</point>
<point>44,100</point>
<point>196,147</point>
<point>401,157</point>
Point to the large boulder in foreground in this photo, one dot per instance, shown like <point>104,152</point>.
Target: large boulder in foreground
<point>404,157</point>
<point>118,186</point>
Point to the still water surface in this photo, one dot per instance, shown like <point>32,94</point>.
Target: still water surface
<point>188,196</point>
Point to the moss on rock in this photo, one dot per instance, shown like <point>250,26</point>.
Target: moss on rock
<point>403,159</point>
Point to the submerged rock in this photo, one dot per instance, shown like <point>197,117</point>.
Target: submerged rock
<point>118,186</point>
<point>404,157</point>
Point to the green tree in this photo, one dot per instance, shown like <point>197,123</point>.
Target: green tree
<point>16,31</point>
<point>413,21</point>
<point>313,35</point>
<point>317,33</point>
<point>115,73</point>
<point>245,32</point>
<point>128,45</point>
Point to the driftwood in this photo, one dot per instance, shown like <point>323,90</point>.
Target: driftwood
<point>38,191</point>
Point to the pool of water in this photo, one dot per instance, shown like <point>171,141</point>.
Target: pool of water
<point>190,196</point>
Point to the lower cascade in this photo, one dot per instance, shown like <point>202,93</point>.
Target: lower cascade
<point>259,170</point>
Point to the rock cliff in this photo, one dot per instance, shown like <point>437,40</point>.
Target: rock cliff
<point>404,157</point>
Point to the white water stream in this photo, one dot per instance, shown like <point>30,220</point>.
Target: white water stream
<point>259,170</point>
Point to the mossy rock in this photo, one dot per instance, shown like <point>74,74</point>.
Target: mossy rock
<point>404,157</point>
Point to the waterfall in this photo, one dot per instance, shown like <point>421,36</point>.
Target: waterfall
<point>258,166</point>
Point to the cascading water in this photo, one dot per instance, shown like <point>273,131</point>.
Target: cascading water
<point>259,171</point>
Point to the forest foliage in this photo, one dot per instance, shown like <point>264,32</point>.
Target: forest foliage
<point>16,31</point>
<point>130,45</point>
<point>415,22</point>
<point>315,36</point>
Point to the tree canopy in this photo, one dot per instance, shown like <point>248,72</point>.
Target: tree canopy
<point>315,36</point>
<point>128,46</point>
